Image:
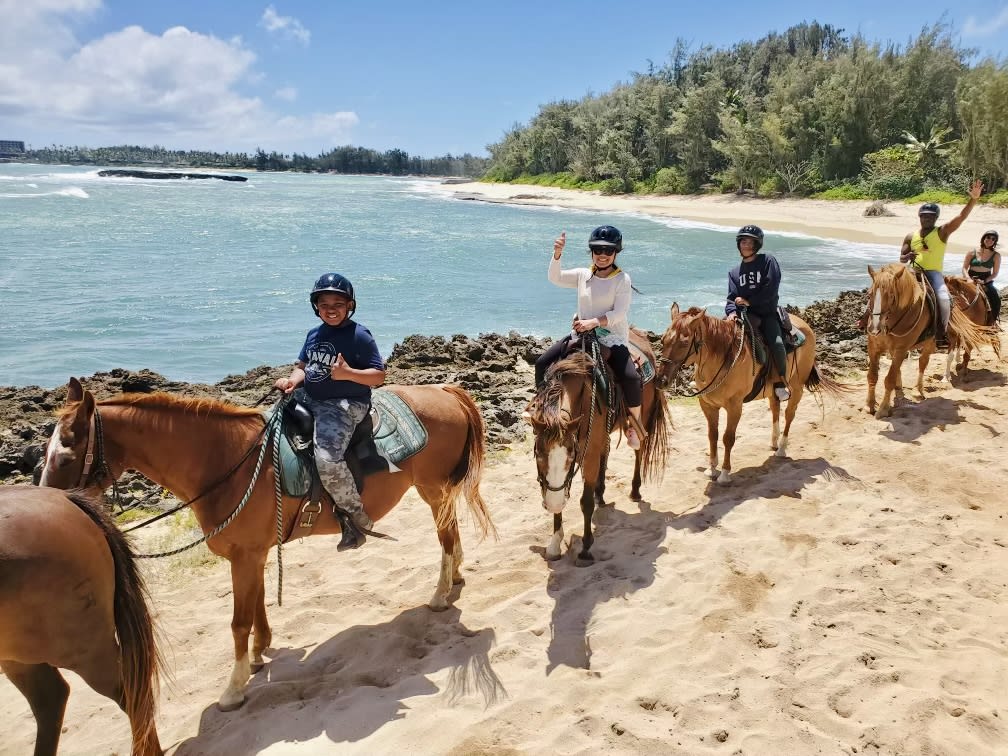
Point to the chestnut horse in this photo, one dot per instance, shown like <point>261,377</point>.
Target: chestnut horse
<point>724,369</point>
<point>197,449</point>
<point>900,317</point>
<point>71,597</point>
<point>971,300</point>
<point>572,423</point>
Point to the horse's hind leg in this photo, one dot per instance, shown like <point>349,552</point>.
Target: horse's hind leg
<point>797,389</point>
<point>584,557</point>
<point>775,422</point>
<point>636,482</point>
<point>448,536</point>
<point>47,693</point>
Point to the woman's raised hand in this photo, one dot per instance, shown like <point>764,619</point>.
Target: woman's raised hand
<point>558,245</point>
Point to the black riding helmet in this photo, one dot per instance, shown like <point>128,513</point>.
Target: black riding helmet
<point>752,232</point>
<point>929,208</point>
<point>993,233</point>
<point>606,237</point>
<point>336,283</point>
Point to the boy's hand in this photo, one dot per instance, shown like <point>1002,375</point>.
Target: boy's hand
<point>284,384</point>
<point>340,371</point>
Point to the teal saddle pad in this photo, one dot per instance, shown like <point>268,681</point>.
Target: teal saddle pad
<point>398,435</point>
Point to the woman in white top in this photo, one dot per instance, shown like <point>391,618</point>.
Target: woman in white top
<point>603,295</point>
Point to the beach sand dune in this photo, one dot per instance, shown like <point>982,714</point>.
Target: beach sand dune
<point>847,599</point>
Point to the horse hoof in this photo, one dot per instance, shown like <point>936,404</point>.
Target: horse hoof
<point>438,604</point>
<point>458,580</point>
<point>635,496</point>
<point>584,561</point>
<point>256,666</point>
<point>229,703</point>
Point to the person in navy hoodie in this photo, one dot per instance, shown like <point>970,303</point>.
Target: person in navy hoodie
<point>754,284</point>
<point>337,368</point>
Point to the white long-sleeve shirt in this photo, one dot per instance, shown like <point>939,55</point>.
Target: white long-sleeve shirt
<point>597,297</point>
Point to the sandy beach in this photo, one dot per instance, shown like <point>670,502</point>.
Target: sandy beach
<point>834,219</point>
<point>847,599</point>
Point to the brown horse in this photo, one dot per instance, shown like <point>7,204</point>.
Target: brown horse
<point>970,299</point>
<point>190,445</point>
<point>724,369</point>
<point>71,597</point>
<point>900,318</point>
<point>572,425</point>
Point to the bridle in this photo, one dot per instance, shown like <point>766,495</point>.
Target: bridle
<point>880,312</point>
<point>719,377</point>
<point>610,421</point>
<point>95,465</point>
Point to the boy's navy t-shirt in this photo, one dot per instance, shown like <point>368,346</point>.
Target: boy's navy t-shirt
<point>319,352</point>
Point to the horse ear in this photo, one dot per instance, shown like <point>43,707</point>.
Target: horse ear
<point>871,272</point>
<point>82,417</point>
<point>75,392</point>
<point>675,310</point>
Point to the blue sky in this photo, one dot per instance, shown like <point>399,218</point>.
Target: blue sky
<point>430,78</point>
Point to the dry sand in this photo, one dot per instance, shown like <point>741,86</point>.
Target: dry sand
<point>835,219</point>
<point>847,599</point>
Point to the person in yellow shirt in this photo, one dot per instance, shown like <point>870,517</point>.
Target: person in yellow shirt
<point>926,248</point>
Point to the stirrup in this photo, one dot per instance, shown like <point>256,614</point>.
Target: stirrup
<point>783,393</point>
<point>352,537</point>
<point>632,439</point>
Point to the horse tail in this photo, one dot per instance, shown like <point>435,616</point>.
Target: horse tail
<point>655,448</point>
<point>822,385</point>
<point>465,478</point>
<point>142,663</point>
<point>971,335</point>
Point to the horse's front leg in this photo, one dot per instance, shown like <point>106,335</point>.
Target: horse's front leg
<point>711,413</point>
<point>553,549</point>
<point>246,581</point>
<point>965,362</point>
<point>873,370</point>
<point>734,414</point>
<point>262,635</point>
<point>892,380</point>
<point>635,484</point>
<point>585,558</point>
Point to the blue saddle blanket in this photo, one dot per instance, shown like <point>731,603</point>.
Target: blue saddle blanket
<point>398,435</point>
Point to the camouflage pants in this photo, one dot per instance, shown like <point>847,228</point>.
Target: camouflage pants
<point>335,421</point>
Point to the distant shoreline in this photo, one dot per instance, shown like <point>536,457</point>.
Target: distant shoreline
<point>829,219</point>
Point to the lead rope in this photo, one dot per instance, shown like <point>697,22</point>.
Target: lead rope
<point>279,512</point>
<point>272,425</point>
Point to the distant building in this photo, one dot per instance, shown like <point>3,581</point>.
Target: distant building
<point>10,149</point>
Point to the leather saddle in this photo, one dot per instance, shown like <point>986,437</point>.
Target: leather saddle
<point>793,338</point>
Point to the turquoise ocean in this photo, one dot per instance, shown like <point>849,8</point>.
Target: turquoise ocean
<point>205,278</point>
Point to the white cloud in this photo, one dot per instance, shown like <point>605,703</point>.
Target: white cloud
<point>181,89</point>
<point>286,26</point>
<point>975,28</point>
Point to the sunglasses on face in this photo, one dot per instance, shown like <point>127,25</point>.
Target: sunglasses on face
<point>603,251</point>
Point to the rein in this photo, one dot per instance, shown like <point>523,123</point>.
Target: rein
<point>696,347</point>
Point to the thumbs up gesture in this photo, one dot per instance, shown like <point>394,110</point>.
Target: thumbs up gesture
<point>340,371</point>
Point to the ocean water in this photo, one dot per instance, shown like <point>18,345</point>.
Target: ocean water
<point>200,279</point>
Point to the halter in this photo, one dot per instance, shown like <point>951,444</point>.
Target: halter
<point>90,472</point>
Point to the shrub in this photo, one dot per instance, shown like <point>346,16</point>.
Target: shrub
<point>612,186</point>
<point>895,187</point>
<point>941,196</point>
<point>844,192</point>
<point>671,181</point>
<point>997,199</point>
<point>769,186</point>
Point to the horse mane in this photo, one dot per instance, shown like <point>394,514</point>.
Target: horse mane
<point>186,404</point>
<point>719,334</point>
<point>545,405</point>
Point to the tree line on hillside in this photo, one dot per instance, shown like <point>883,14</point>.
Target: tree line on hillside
<point>346,159</point>
<point>809,110</point>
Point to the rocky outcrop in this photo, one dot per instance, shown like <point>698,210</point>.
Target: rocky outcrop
<point>130,173</point>
<point>496,369</point>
